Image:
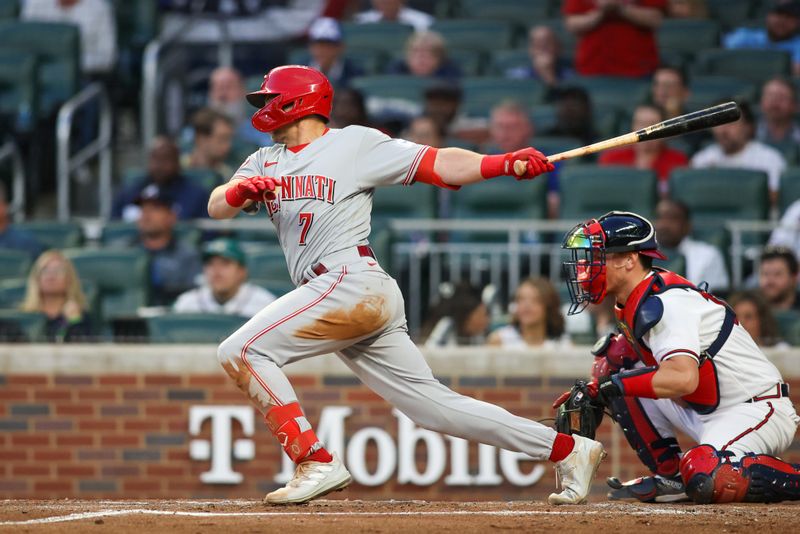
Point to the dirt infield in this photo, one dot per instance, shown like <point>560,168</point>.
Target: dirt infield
<point>156,516</point>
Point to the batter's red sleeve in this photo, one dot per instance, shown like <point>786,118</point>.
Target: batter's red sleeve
<point>427,175</point>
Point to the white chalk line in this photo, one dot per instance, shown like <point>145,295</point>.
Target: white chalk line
<point>503,513</point>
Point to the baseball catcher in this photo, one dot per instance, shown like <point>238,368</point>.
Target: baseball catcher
<point>681,362</point>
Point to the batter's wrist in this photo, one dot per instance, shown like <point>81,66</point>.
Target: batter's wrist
<point>233,198</point>
<point>494,166</point>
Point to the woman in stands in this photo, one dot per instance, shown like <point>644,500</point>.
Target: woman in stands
<point>536,317</point>
<point>54,289</point>
<point>426,56</point>
<point>755,316</point>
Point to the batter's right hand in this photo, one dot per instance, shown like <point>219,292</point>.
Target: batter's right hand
<point>256,188</point>
<point>535,163</point>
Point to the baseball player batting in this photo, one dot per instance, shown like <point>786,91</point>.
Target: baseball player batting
<point>316,184</point>
<point>682,361</point>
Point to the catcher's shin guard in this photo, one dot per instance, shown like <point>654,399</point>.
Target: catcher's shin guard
<point>660,454</point>
<point>710,477</point>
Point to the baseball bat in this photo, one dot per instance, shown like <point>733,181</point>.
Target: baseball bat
<point>683,124</point>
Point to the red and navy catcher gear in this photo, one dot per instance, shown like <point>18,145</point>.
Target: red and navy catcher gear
<point>589,242</point>
<point>289,93</point>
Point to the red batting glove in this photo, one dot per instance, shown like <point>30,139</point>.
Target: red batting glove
<point>257,188</point>
<point>503,164</point>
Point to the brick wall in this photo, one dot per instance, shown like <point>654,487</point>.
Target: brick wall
<point>126,435</point>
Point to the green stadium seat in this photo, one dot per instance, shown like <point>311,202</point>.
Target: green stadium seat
<point>12,292</point>
<point>57,47</point>
<point>14,263</point>
<point>708,90</point>
<point>121,278</point>
<point>468,34</point>
<point>137,25</point>
<point>687,36</point>
<point>590,191</point>
<point>403,202</point>
<point>790,188</point>
<point>502,61</point>
<point>206,179</point>
<point>544,117</point>
<point>370,61</point>
<point>714,196</point>
<point>120,234</point>
<point>730,13</point>
<point>387,37</point>
<point>513,11</point>
<point>482,94</point>
<point>393,86</point>
<point>756,66</point>
<point>276,287</point>
<point>613,91</point>
<point>9,9</point>
<point>55,234</point>
<point>469,61</point>
<point>267,264</point>
<point>193,327</point>
<point>675,262</point>
<point>553,144</point>
<point>501,198</point>
<point>788,325</point>
<point>32,324</point>
<point>19,102</point>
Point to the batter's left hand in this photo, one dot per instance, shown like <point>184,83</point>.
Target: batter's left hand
<point>535,163</point>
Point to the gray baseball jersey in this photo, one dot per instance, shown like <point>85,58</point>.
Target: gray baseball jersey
<point>319,192</point>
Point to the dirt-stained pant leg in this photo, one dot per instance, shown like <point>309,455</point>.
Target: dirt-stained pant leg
<point>392,366</point>
<point>323,316</point>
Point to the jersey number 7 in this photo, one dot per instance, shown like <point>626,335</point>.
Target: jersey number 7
<point>306,218</point>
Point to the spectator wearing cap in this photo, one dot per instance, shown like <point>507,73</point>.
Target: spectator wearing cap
<point>164,171</point>
<point>777,278</point>
<point>615,37</point>
<point>546,63</point>
<point>226,289</point>
<point>735,147</point>
<point>704,262</point>
<point>326,49</point>
<point>781,32</point>
<point>777,125</point>
<point>226,94</point>
<point>395,11</point>
<point>653,155</point>
<point>174,265</point>
<point>213,139</point>
<point>426,57</point>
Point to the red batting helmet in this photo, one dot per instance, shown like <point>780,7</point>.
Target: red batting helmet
<point>297,91</point>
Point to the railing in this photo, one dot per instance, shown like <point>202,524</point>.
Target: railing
<point>10,151</point>
<point>739,251</point>
<point>100,147</point>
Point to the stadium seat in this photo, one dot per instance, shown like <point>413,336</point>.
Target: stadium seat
<point>730,13</point>
<point>410,88</point>
<point>613,91</point>
<point>589,191</point>
<point>790,188</point>
<point>714,196</point>
<point>9,9</point>
<point>553,144</point>
<point>675,262</point>
<point>469,62</point>
<point>687,36</point>
<point>482,35</point>
<point>18,91</point>
<point>193,327</point>
<point>399,202</point>
<point>57,47</point>
<point>55,234</point>
<point>14,263</point>
<point>267,264</point>
<point>387,37</point>
<point>12,292</point>
<point>513,11</point>
<point>276,287</point>
<point>502,61</point>
<point>756,66</point>
<point>482,94</point>
<point>544,117</point>
<point>206,179</point>
<point>370,61</point>
<point>32,325</point>
<point>708,90</point>
<point>788,325</point>
<point>137,25</point>
<point>121,277</point>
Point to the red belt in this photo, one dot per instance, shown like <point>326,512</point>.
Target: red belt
<point>365,251</point>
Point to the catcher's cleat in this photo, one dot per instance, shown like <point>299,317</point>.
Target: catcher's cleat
<point>311,480</point>
<point>647,489</point>
<point>577,470</point>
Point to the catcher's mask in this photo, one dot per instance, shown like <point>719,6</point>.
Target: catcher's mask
<point>588,242</point>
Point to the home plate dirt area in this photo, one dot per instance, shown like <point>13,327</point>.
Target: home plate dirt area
<point>153,516</point>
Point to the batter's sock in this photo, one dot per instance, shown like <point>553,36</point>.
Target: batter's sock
<point>562,446</point>
<point>293,431</point>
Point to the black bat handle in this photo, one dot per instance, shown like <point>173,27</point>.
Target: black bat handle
<point>692,122</point>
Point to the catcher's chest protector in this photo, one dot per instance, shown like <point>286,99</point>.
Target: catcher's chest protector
<point>642,311</point>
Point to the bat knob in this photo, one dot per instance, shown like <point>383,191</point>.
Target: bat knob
<point>520,167</point>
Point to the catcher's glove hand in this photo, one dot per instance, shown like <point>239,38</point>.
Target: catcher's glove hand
<point>577,412</point>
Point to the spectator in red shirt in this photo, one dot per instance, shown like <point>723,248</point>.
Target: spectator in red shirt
<point>654,155</point>
<point>616,37</point>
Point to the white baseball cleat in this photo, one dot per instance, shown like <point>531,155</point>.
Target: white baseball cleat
<point>311,480</point>
<point>577,471</point>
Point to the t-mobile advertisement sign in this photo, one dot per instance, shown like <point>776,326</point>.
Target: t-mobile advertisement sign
<point>395,457</point>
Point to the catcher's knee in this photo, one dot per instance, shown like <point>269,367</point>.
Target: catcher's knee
<point>661,454</point>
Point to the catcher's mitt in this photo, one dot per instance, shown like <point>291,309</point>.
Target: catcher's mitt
<point>579,413</point>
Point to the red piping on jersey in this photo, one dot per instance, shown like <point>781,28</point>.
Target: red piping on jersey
<point>298,148</point>
<point>413,166</point>
<point>427,175</point>
<point>752,428</point>
<point>278,323</point>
